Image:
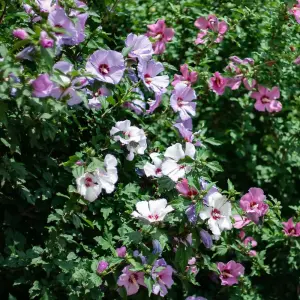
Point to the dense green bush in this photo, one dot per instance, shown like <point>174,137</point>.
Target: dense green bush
<point>52,238</point>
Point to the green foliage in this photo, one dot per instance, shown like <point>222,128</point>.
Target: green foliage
<point>52,239</point>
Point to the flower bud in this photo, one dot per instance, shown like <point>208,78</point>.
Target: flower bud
<point>20,34</point>
<point>45,41</point>
<point>121,252</point>
<point>206,239</point>
<point>102,266</point>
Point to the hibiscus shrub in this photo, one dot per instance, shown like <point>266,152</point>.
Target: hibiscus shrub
<point>150,149</point>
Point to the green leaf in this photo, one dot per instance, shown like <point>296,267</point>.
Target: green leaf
<point>111,100</point>
<point>149,284</point>
<point>71,256</point>
<point>5,142</point>
<point>136,266</point>
<point>78,171</point>
<point>45,116</point>
<point>71,162</point>
<point>48,56</point>
<point>3,110</point>
<point>165,184</point>
<point>90,223</point>
<point>126,51</point>
<point>230,185</point>
<point>53,217</point>
<point>95,279</point>
<point>76,221</point>
<point>102,242</point>
<point>170,67</point>
<point>106,211</point>
<point>95,164</point>
<point>20,44</point>
<point>135,236</point>
<point>220,250</point>
<point>183,254</point>
<point>212,141</point>
<point>215,166</point>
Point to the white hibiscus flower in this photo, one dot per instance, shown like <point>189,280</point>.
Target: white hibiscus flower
<point>152,211</point>
<point>154,169</point>
<point>133,137</point>
<point>90,185</point>
<point>174,154</point>
<point>218,213</point>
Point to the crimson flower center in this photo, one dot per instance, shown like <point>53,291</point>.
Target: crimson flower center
<point>159,36</point>
<point>253,204</point>
<point>148,78</point>
<point>226,274</point>
<point>180,102</point>
<point>158,171</point>
<point>218,81</point>
<point>133,278</point>
<point>88,182</point>
<point>104,69</point>
<point>98,93</point>
<point>292,230</point>
<point>192,193</point>
<point>216,214</point>
<point>127,134</point>
<point>265,99</point>
<point>155,217</point>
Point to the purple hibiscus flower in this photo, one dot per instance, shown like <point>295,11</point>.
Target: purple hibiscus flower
<point>162,274</point>
<point>140,46</point>
<point>106,65</point>
<point>69,90</point>
<point>148,71</point>
<point>181,101</point>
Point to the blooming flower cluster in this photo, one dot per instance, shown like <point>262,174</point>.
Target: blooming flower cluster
<point>253,204</point>
<point>266,100</point>
<point>68,29</point>
<point>211,23</point>
<point>192,267</point>
<point>43,86</point>
<point>249,243</point>
<point>205,206</point>
<point>173,164</point>
<point>90,185</point>
<point>131,136</point>
<point>160,35</point>
<point>162,274</point>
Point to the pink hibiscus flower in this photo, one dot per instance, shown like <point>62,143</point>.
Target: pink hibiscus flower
<point>161,35</point>
<point>240,221</point>
<point>296,11</point>
<point>185,190</point>
<point>230,272</point>
<point>211,23</point>
<point>131,280</point>
<point>187,77</point>
<point>291,229</point>
<point>218,83</point>
<point>253,204</point>
<point>266,99</point>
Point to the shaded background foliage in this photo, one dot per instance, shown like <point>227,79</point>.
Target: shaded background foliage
<point>47,240</point>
